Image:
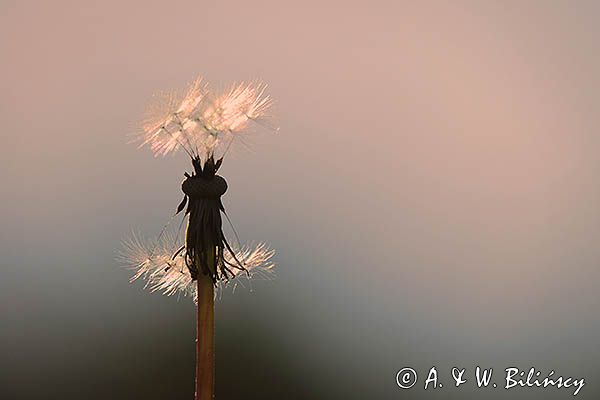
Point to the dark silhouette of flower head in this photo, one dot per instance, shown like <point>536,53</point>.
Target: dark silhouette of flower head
<point>203,124</point>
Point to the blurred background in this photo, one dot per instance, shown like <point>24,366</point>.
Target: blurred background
<point>432,195</point>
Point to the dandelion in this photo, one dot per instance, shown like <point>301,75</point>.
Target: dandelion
<point>204,124</point>
<point>162,265</point>
<point>200,122</point>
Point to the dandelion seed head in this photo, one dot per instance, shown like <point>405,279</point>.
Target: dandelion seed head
<point>161,264</point>
<point>193,97</point>
<point>231,111</point>
<point>160,111</point>
<point>201,122</point>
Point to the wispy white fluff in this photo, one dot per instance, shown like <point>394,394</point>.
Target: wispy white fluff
<point>200,121</point>
<point>163,268</point>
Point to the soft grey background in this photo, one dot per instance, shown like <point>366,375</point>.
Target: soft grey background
<point>432,194</point>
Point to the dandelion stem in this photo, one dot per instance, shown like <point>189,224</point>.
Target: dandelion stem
<point>205,341</point>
